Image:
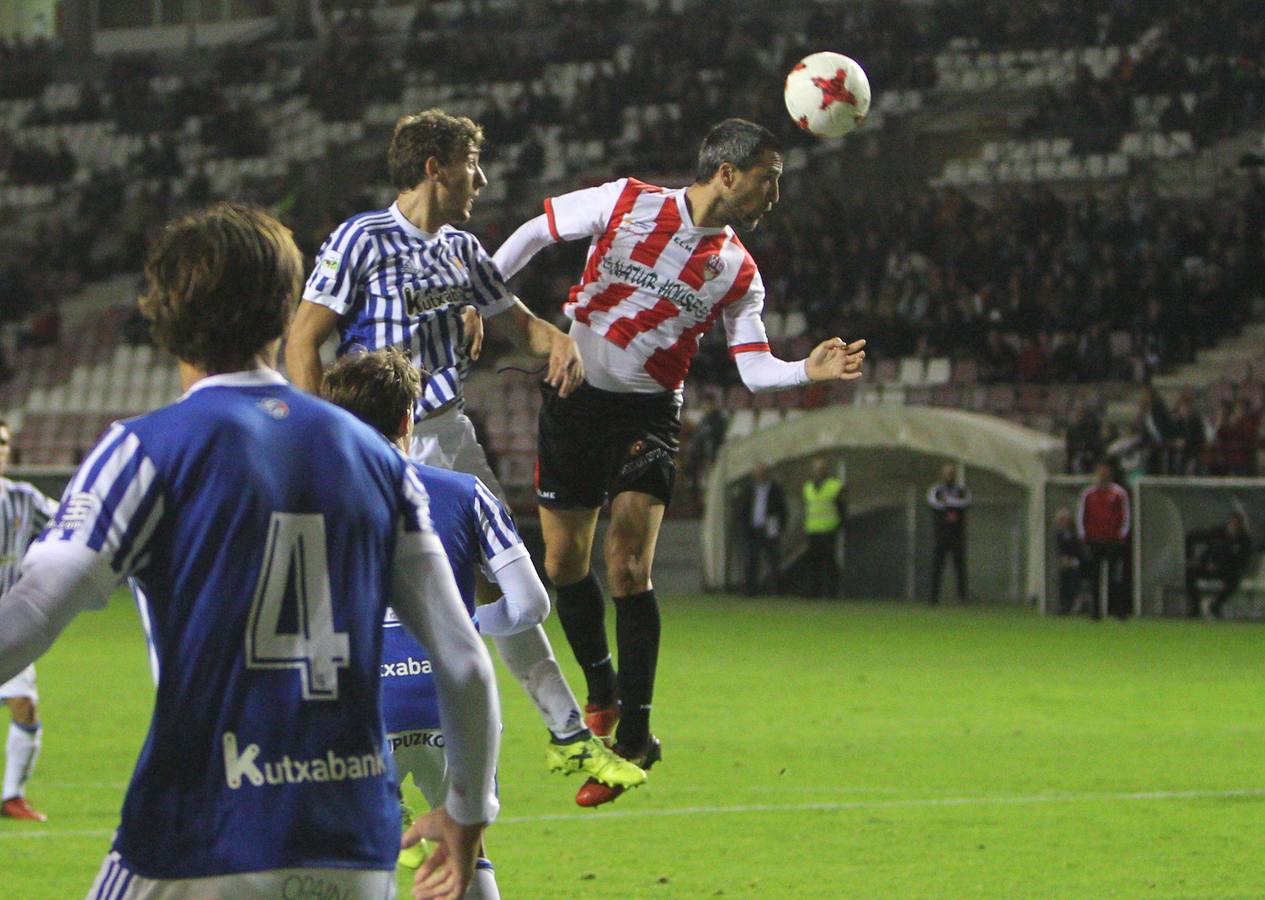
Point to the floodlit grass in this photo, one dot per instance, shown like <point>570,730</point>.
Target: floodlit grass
<point>811,750</point>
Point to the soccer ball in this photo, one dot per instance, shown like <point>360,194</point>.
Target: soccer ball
<point>827,94</point>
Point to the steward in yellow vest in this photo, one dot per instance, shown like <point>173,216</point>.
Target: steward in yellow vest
<point>825,504</point>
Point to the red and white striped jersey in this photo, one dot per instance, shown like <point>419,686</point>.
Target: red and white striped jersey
<point>654,283</point>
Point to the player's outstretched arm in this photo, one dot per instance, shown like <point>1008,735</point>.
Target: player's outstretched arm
<point>532,334</point>
<point>57,583</point>
<point>831,360</point>
<point>310,327</point>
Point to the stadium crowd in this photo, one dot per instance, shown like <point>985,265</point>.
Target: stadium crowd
<point>1036,289</point>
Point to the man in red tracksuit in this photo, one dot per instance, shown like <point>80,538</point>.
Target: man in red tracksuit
<point>1102,520</point>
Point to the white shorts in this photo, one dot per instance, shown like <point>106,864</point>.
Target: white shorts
<point>448,441</point>
<point>20,685</point>
<point>421,752</point>
<point>116,882</point>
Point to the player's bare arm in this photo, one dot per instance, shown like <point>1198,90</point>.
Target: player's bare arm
<point>472,332</point>
<point>532,334</point>
<point>447,871</point>
<point>311,325</point>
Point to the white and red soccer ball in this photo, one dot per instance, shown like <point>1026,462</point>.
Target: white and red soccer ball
<point>827,94</point>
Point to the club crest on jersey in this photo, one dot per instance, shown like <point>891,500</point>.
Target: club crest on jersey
<point>278,409</point>
<point>713,266</point>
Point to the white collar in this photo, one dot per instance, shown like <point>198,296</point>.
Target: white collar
<point>245,378</point>
<point>409,227</point>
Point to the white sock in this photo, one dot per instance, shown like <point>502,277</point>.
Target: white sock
<point>483,884</point>
<point>530,659</point>
<point>20,752</point>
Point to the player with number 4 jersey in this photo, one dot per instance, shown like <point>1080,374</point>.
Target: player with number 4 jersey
<point>269,531</point>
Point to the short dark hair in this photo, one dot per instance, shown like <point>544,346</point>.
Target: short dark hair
<point>221,284</point>
<point>734,141</point>
<point>378,388</point>
<point>420,136</point>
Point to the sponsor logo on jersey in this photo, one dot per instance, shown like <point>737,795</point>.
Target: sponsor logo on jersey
<point>669,289</point>
<point>274,407</point>
<point>80,509</point>
<point>419,300</point>
<point>331,262</point>
<point>415,739</point>
<point>246,766</point>
<point>408,666</point>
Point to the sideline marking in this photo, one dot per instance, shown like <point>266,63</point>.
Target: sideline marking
<point>1248,793</point>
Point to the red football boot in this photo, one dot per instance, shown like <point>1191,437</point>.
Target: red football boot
<point>594,793</point>
<point>18,808</point>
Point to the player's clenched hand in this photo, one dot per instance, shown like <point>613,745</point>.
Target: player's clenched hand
<point>447,871</point>
<point>472,328</point>
<point>566,369</point>
<point>833,360</point>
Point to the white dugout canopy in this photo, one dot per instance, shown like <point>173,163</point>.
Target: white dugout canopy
<point>891,455</point>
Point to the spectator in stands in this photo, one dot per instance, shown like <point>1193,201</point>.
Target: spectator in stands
<point>762,512</point>
<point>1186,443</point>
<point>1219,554</point>
<point>1070,553</point>
<point>1155,425</point>
<point>949,500</point>
<point>1245,431</point>
<point>997,358</point>
<point>1102,523</point>
<point>825,512</point>
<point>1084,441</point>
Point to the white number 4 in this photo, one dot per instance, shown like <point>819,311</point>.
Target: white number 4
<point>296,542</point>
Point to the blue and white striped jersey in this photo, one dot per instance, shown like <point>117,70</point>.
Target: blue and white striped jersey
<point>475,529</point>
<point>23,513</point>
<point>261,524</point>
<point>394,285</point>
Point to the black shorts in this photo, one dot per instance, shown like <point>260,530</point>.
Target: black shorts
<point>595,444</point>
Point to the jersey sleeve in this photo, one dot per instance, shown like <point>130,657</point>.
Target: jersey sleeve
<point>498,538</point>
<point>491,294</point>
<point>111,506</point>
<point>334,278</point>
<point>743,326</point>
<point>43,509</point>
<point>582,213</point>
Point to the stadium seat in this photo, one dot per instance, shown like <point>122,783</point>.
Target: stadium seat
<point>938,371</point>
<point>911,371</point>
<point>741,424</point>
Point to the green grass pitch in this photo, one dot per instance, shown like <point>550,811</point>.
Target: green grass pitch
<point>811,750</point>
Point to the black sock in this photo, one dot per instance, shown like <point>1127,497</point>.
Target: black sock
<point>637,633</point>
<point>581,610</point>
